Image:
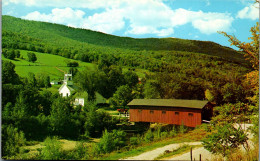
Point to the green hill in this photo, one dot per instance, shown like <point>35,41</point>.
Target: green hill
<point>53,36</point>
<point>52,65</point>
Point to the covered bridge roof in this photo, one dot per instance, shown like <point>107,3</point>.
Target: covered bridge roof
<point>197,104</point>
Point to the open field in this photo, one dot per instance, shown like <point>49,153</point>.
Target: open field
<point>46,63</point>
<point>50,64</point>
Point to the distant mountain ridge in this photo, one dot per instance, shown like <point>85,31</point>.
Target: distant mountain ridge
<point>62,35</point>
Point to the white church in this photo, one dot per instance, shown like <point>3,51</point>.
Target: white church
<point>67,89</point>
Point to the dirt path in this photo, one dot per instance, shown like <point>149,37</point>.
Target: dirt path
<point>151,155</point>
<point>205,154</point>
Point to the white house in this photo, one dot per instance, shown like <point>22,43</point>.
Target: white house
<point>67,89</point>
<point>79,101</point>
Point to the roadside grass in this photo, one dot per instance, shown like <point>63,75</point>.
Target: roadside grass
<point>181,150</point>
<point>192,136</point>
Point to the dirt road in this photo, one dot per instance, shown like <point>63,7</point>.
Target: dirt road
<point>151,155</point>
<point>205,154</point>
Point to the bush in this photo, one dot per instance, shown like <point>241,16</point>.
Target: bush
<point>79,153</point>
<point>225,139</point>
<point>31,57</point>
<point>134,140</point>
<point>173,132</point>
<point>52,149</point>
<point>111,141</point>
<point>12,140</point>
<point>183,128</point>
<point>72,64</point>
<point>148,136</point>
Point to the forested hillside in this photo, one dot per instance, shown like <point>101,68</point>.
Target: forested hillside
<point>177,68</point>
<point>51,37</point>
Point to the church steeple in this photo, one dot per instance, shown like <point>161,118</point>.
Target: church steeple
<point>68,79</point>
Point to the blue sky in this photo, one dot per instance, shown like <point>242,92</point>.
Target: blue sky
<point>186,19</point>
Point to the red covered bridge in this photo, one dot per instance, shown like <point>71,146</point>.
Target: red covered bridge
<point>170,111</point>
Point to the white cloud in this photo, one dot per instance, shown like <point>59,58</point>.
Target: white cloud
<point>65,16</point>
<point>144,17</point>
<point>108,22</point>
<point>249,12</point>
<point>209,23</point>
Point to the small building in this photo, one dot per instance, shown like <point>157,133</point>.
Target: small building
<point>55,82</point>
<point>79,101</point>
<point>67,87</point>
<point>170,111</point>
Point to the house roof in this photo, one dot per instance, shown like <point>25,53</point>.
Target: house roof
<point>197,104</point>
<point>70,87</point>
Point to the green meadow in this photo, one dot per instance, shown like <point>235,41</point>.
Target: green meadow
<point>52,65</point>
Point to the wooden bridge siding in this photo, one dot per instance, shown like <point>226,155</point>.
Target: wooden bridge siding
<point>168,118</point>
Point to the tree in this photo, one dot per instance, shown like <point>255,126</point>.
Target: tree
<point>122,96</point>
<point>60,116</point>
<point>225,139</point>
<point>31,57</point>
<point>251,49</point>
<point>131,78</point>
<point>17,53</point>
<point>12,140</point>
<point>87,81</point>
<point>151,90</point>
<point>110,141</point>
<point>228,133</point>
<point>10,54</point>
<point>8,73</point>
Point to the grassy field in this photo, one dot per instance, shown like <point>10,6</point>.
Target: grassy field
<point>46,63</point>
<point>50,64</point>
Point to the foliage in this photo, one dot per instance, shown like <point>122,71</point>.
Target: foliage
<point>72,64</point>
<point>10,54</point>
<point>12,140</point>
<point>122,96</point>
<point>225,139</point>
<point>31,57</point>
<point>8,73</point>
<point>209,96</point>
<point>80,152</point>
<point>97,120</point>
<point>151,90</point>
<point>251,49</point>
<point>134,140</point>
<point>110,141</point>
<point>148,136</point>
<point>52,149</point>
<point>80,43</point>
<point>182,128</point>
<point>131,78</point>
<point>60,119</point>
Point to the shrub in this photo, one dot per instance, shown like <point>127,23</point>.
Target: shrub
<point>173,132</point>
<point>80,152</point>
<point>110,141</point>
<point>52,149</point>
<point>31,57</point>
<point>134,141</point>
<point>12,140</point>
<point>225,139</point>
<point>183,129</point>
<point>148,136</point>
